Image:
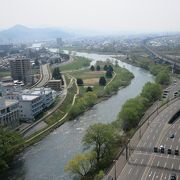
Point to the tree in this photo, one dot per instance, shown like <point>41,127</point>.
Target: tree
<point>56,73</point>
<point>116,63</point>
<point>89,89</point>
<point>36,62</point>
<point>9,143</point>
<point>101,138</point>
<point>81,164</point>
<point>92,68</point>
<point>102,81</point>
<point>151,91</point>
<point>163,78</point>
<point>80,82</point>
<point>100,175</point>
<point>131,112</point>
<point>110,68</point>
<point>105,67</point>
<point>109,74</point>
<point>98,68</point>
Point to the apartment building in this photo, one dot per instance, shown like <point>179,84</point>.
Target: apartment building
<point>9,113</point>
<point>29,107</point>
<point>21,69</point>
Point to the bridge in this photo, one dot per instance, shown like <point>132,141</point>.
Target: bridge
<point>161,59</point>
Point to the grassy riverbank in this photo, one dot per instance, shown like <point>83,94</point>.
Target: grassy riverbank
<point>78,100</point>
<point>77,63</point>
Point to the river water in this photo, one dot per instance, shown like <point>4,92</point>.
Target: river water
<point>46,159</point>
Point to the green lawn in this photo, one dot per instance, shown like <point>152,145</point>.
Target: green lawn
<point>77,63</point>
<point>5,73</point>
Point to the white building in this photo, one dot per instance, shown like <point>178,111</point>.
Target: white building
<point>30,106</point>
<point>31,102</point>
<point>9,113</point>
<point>46,94</point>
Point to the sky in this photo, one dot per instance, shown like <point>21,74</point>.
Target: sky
<point>100,15</point>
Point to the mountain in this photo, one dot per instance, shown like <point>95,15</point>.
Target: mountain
<point>19,33</point>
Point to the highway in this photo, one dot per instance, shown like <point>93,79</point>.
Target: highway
<point>45,75</point>
<point>144,163</point>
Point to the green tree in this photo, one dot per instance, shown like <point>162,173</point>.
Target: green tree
<point>80,82</point>
<point>163,78</point>
<point>151,91</point>
<point>102,81</point>
<point>89,89</point>
<point>92,68</point>
<point>36,62</point>
<point>81,164</point>
<point>131,112</point>
<point>9,144</point>
<point>109,74</point>
<point>56,73</point>
<point>100,175</point>
<point>98,68</point>
<point>101,138</point>
<point>105,67</point>
<point>110,68</point>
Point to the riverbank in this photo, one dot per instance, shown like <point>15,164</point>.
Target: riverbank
<point>46,159</point>
<point>79,101</point>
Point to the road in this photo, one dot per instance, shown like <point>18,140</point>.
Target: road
<point>160,57</point>
<point>144,163</point>
<point>46,75</point>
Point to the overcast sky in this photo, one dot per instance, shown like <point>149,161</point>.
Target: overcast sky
<point>109,15</point>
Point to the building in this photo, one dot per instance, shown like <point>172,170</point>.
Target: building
<point>59,42</point>
<point>21,69</point>
<point>46,95</point>
<point>31,102</point>
<point>56,85</point>
<point>9,113</point>
<point>10,90</point>
<point>30,106</point>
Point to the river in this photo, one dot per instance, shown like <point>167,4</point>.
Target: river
<point>46,159</point>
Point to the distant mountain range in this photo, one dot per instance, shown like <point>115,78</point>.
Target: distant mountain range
<point>19,33</point>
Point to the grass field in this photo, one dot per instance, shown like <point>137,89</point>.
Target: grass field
<point>77,63</point>
<point>5,73</point>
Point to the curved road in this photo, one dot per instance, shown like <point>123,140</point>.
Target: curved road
<point>46,75</point>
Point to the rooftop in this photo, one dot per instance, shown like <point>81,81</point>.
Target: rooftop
<point>29,97</point>
<point>4,103</point>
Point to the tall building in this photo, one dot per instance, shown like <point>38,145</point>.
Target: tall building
<point>21,69</point>
<point>59,42</point>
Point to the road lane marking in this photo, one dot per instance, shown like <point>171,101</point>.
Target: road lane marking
<point>172,166</point>
<point>137,171</point>
<point>142,161</point>
<point>161,176</point>
<point>150,174</point>
<point>154,175</point>
<point>130,171</point>
<point>158,163</point>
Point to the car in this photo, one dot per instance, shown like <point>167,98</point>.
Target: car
<point>173,177</point>
<point>162,149</point>
<point>155,149</point>
<point>175,94</point>
<point>169,151</point>
<point>176,152</point>
<point>171,136</point>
